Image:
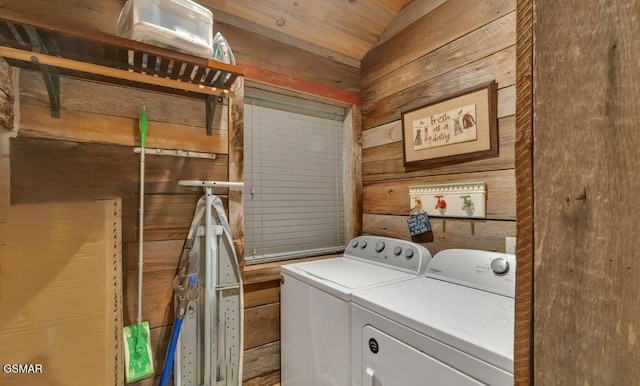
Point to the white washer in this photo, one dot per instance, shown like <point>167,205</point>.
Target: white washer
<point>315,305</point>
<point>453,326</point>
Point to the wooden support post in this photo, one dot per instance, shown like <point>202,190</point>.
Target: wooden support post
<point>236,169</point>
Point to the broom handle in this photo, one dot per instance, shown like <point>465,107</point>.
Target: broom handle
<point>140,237</point>
<point>168,361</point>
<point>143,134</point>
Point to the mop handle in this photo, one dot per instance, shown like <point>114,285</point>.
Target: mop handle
<point>143,133</point>
<point>168,362</point>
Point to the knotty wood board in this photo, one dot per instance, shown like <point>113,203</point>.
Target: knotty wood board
<point>523,343</point>
<point>106,171</point>
<point>261,325</point>
<point>5,174</point>
<point>91,109</point>
<point>446,23</point>
<point>448,233</point>
<point>385,162</point>
<point>236,171</point>
<point>352,172</point>
<point>36,121</point>
<point>8,103</point>
<point>259,294</point>
<point>261,360</point>
<point>158,256</point>
<point>484,41</point>
<point>270,379</point>
<point>169,210</point>
<point>506,101</point>
<point>300,86</point>
<point>499,67</point>
<point>410,13</point>
<point>167,216</point>
<point>392,197</point>
<point>7,96</point>
<point>72,171</point>
<point>586,162</point>
<point>105,99</point>
<point>157,296</point>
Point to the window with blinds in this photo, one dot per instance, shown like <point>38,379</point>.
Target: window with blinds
<point>293,194</point>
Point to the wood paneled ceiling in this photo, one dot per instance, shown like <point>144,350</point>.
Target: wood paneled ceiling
<point>344,30</point>
<point>347,27</point>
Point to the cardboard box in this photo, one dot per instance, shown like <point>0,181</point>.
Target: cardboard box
<point>61,295</point>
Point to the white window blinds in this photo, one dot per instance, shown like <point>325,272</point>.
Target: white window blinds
<point>293,193</point>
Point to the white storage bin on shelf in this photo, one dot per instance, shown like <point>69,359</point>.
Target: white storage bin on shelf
<point>176,24</point>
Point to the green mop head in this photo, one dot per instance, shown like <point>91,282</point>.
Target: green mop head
<point>137,352</point>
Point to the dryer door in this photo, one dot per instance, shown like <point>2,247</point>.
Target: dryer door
<point>387,361</point>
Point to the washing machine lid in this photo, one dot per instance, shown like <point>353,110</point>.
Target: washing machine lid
<point>341,276</point>
<point>473,321</point>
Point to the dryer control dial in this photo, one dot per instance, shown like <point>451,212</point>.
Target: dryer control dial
<point>408,253</point>
<point>397,250</point>
<point>379,246</point>
<point>363,244</point>
<point>354,243</point>
<point>500,266</point>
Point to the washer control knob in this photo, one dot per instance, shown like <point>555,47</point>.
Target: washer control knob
<point>354,243</point>
<point>500,266</point>
<point>397,250</point>
<point>363,244</point>
<point>379,246</point>
<point>408,253</point>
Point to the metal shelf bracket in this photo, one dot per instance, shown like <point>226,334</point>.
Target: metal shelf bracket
<point>211,104</point>
<point>49,73</point>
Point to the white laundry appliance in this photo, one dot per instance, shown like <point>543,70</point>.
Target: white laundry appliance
<point>453,326</point>
<point>315,305</point>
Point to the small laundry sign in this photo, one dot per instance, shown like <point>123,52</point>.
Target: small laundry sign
<point>418,224</point>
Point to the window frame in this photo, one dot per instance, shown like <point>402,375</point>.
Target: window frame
<point>351,164</point>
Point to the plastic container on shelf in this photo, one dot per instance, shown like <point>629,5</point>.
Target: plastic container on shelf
<point>182,25</point>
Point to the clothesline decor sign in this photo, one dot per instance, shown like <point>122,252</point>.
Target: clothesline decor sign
<point>459,128</point>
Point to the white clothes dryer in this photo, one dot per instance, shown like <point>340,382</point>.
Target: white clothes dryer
<point>315,301</point>
<point>453,326</point>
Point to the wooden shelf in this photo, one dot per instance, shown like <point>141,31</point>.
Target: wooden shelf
<point>56,49</point>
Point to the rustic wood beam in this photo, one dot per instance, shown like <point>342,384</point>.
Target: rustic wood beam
<point>523,342</point>
<point>263,76</point>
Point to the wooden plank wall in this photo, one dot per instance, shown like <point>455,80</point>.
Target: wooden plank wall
<point>460,44</point>
<point>68,160</point>
<point>87,154</point>
<point>586,165</point>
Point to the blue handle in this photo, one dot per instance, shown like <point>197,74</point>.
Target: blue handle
<point>168,361</point>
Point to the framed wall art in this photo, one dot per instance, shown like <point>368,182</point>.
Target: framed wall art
<point>459,128</point>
